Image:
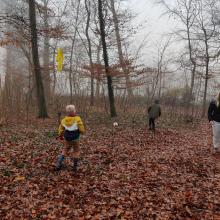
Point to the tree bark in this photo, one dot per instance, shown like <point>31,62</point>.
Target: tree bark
<point>37,71</point>
<point>54,71</point>
<point>90,52</point>
<point>98,61</point>
<point>71,70</point>
<point>105,57</point>
<point>46,56</point>
<point>206,72</point>
<point>71,76</point>
<point>7,97</point>
<point>193,62</point>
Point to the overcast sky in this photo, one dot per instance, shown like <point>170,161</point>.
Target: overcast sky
<point>155,23</point>
<point>150,12</point>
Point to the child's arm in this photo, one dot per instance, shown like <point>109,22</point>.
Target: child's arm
<point>61,130</point>
<point>80,126</point>
<point>210,111</point>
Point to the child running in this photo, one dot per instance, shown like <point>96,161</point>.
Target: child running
<point>70,129</point>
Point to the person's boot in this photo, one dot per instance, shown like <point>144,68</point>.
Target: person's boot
<point>59,163</point>
<point>75,164</point>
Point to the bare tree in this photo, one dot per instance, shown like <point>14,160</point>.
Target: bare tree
<point>71,76</point>
<point>88,10</point>
<point>46,54</point>
<point>208,41</point>
<point>119,47</point>
<point>185,11</point>
<point>105,56</point>
<point>39,83</point>
<point>161,64</point>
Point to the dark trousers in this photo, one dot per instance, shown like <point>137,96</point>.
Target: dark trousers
<point>152,123</point>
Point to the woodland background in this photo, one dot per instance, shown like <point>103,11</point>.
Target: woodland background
<point>126,171</point>
<point>183,74</point>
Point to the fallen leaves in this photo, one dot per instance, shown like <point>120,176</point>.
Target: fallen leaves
<point>128,174</point>
<point>19,178</point>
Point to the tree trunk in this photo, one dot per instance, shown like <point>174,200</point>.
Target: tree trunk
<point>54,71</point>
<point>192,62</point>
<point>46,56</point>
<point>105,57</point>
<point>37,71</point>
<point>119,46</point>
<point>160,79</point>
<point>71,76</point>
<point>7,98</point>
<point>207,60</point>
<point>206,74</point>
<point>97,93</point>
<point>71,71</point>
<point>90,52</point>
<point>205,95</point>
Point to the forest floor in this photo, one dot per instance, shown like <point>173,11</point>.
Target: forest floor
<point>125,173</point>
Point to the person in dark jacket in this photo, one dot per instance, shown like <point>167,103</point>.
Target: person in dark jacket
<point>214,119</point>
<point>154,112</point>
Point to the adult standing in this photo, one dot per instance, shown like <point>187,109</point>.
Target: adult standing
<point>214,119</point>
<point>154,112</point>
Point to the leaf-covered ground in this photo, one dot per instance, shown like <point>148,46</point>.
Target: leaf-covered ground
<point>126,173</point>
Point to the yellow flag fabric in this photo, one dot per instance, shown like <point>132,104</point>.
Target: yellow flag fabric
<point>59,60</point>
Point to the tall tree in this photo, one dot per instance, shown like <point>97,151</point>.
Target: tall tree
<point>98,61</point>
<point>207,39</point>
<point>105,57</point>
<point>46,55</point>
<point>186,12</point>
<point>88,10</point>
<point>119,46</point>
<point>71,75</point>
<point>37,71</point>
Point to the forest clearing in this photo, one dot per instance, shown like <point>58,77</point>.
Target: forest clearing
<point>109,109</point>
<point>129,174</point>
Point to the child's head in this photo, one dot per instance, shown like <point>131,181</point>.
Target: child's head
<point>70,110</point>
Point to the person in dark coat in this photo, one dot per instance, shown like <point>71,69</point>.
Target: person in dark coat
<point>214,119</point>
<point>154,112</point>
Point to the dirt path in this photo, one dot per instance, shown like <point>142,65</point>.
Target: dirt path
<point>124,174</point>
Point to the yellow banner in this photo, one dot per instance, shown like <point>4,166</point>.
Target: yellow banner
<point>59,60</point>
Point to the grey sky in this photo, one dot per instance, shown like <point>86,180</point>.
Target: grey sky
<point>155,25</point>
<point>148,11</point>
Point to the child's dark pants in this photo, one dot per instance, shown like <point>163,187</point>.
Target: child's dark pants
<point>152,124</point>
